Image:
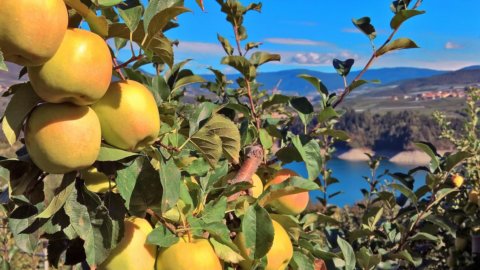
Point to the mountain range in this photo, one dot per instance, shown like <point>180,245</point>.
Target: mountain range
<point>393,80</point>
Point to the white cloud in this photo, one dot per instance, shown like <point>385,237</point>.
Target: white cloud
<point>295,41</point>
<point>450,45</point>
<point>317,59</point>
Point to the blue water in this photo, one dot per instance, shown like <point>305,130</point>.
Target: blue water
<point>351,181</point>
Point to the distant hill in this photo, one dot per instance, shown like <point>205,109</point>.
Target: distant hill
<point>462,77</point>
<point>290,83</point>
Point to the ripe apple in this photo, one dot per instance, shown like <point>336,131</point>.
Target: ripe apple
<point>257,188</point>
<point>96,181</point>
<point>289,204</point>
<point>457,180</point>
<point>279,254</point>
<point>31,31</point>
<point>79,72</point>
<point>63,137</point>
<point>128,115</point>
<point>132,252</point>
<point>188,254</point>
<point>257,183</point>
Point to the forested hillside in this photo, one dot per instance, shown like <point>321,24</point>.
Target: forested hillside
<point>393,131</point>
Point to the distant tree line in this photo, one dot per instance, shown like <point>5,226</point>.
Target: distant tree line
<point>391,131</point>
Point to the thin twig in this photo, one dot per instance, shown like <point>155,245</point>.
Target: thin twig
<point>237,38</point>
<point>128,62</point>
<point>252,105</point>
<point>347,91</point>
<point>115,64</point>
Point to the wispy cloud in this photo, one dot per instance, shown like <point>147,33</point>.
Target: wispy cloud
<point>317,59</point>
<point>450,45</point>
<point>352,30</point>
<point>194,47</point>
<point>296,41</point>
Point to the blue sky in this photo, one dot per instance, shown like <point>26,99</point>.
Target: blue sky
<point>310,33</point>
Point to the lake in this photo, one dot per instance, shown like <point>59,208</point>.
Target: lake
<point>351,181</point>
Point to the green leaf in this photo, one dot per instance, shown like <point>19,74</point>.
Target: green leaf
<point>302,105</point>
<point>187,81</point>
<point>311,155</point>
<point>160,20</point>
<point>97,24</point>
<point>64,192</point>
<point>424,236</point>
<point>22,103</point>
<point>275,100</point>
<point>265,139</point>
<point>301,261</point>
<point>398,44</point>
<point>214,211</point>
<point>404,15</point>
<point>162,237</point>
<point>3,66</point>
<point>21,218</point>
<point>337,134</point>
<point>405,191</point>
<point>154,7</point>
<point>405,255</point>
<point>358,83</point>
<point>225,252</point>
<point>343,67</point>
<point>366,260</point>
<point>228,133</point>
<point>364,25</point>
<point>109,153</point>
<point>107,3</point>
<point>131,16</point>
<point>257,228</point>
<point>139,185</point>
<point>453,160</point>
<point>203,112</point>
<point>431,151</point>
<point>209,145</point>
<point>317,83</point>
<point>225,44</point>
<point>327,114</point>
<point>260,58</point>
<point>348,254</point>
<point>241,64</point>
<point>160,89</point>
<point>170,178</point>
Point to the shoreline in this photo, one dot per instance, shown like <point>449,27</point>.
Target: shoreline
<point>405,157</point>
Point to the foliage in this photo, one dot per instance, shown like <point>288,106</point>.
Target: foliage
<point>178,183</point>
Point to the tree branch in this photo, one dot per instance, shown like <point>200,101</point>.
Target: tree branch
<point>249,167</point>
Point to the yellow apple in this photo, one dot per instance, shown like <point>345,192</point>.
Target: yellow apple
<point>132,253</point>
<point>96,181</point>
<point>79,72</point>
<point>289,204</point>
<point>31,31</point>
<point>279,254</point>
<point>128,115</point>
<point>457,180</point>
<point>188,254</point>
<point>257,188</point>
<point>63,137</point>
<point>257,183</point>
